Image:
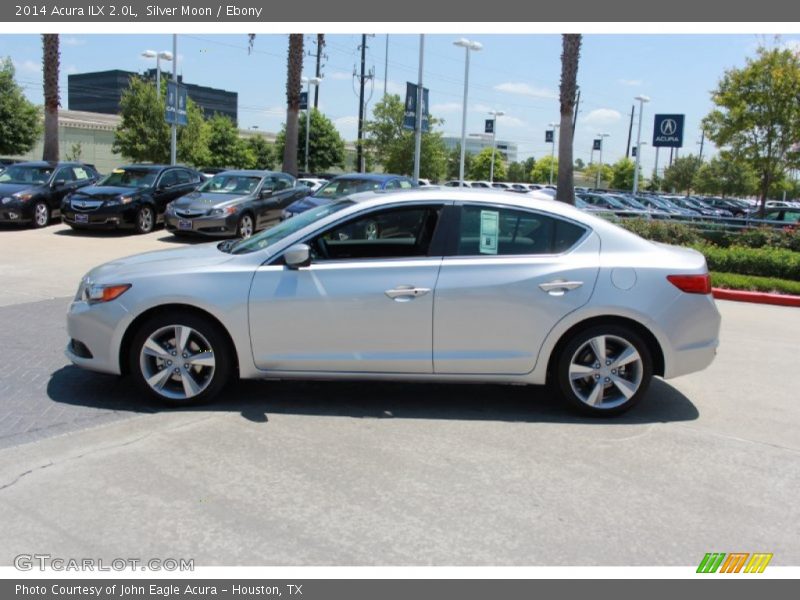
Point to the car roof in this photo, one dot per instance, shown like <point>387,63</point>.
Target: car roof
<point>49,163</point>
<point>149,167</point>
<point>382,177</point>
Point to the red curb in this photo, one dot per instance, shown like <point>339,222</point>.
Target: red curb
<point>757,297</point>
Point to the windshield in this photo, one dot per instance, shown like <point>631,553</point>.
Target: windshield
<point>338,188</point>
<point>29,175</point>
<point>287,228</point>
<point>631,202</point>
<point>237,185</point>
<point>132,178</point>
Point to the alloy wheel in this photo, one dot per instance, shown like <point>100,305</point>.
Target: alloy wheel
<point>605,371</point>
<point>41,214</point>
<point>177,362</point>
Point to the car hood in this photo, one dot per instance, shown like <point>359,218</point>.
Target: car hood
<point>105,192</point>
<point>204,201</point>
<point>159,262</point>
<point>6,189</point>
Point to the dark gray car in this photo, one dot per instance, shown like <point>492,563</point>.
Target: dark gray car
<point>234,203</point>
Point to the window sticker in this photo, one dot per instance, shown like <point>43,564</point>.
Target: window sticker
<point>490,221</point>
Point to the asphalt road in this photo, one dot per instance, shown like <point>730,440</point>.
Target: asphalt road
<point>386,474</point>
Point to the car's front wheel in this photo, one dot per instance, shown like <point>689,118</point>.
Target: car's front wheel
<point>181,359</point>
<point>604,370</point>
<point>41,214</point>
<point>245,228</point>
<point>145,219</point>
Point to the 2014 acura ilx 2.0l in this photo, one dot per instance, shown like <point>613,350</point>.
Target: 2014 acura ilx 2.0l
<point>469,286</point>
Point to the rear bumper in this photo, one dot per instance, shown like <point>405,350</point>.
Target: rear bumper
<point>692,328</point>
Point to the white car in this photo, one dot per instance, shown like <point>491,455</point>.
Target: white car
<point>312,183</point>
<point>458,286</point>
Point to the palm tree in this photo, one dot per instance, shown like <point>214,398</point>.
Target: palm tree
<point>571,51</point>
<point>50,60</point>
<point>293,89</point>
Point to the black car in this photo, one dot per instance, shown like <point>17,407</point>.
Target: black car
<point>135,197</point>
<point>234,203</point>
<point>31,192</point>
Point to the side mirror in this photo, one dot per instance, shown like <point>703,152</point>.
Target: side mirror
<point>297,256</point>
<point>266,193</point>
<point>59,183</point>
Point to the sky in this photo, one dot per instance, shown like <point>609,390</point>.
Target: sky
<point>516,73</point>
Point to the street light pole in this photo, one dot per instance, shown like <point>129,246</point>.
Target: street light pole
<point>642,100</point>
<point>420,111</point>
<point>555,127</point>
<point>309,81</point>
<point>467,45</point>
<point>495,113</point>
<point>158,56</point>
<point>174,141</point>
<point>602,137</point>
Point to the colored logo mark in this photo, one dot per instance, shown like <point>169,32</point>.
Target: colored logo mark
<point>734,562</point>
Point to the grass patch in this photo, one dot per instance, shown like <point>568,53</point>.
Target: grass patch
<point>753,283</point>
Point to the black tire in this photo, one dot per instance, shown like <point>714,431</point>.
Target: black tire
<point>206,337</point>
<point>242,227</point>
<point>145,219</point>
<point>577,354</point>
<point>41,214</point>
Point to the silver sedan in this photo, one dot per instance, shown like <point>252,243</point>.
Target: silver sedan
<point>425,285</point>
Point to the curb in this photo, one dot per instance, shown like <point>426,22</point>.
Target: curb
<point>756,297</point>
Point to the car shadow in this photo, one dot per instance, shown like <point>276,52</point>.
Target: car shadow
<point>255,400</point>
<point>96,233</point>
<point>170,238</point>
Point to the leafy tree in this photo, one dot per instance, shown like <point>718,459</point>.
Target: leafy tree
<point>681,173</point>
<point>454,163</point>
<point>591,171</point>
<point>262,152</point>
<point>20,121</point>
<point>726,176</point>
<point>517,172</point>
<point>75,152</point>
<point>529,164</point>
<point>225,147</point>
<point>325,145</point>
<point>570,56</point>
<point>579,164</point>
<point>482,164</point>
<point>622,174</point>
<point>50,62</point>
<point>143,135</point>
<point>541,170</point>
<point>393,147</point>
<point>758,114</point>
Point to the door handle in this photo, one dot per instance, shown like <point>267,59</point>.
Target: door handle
<point>559,287</point>
<point>404,293</point>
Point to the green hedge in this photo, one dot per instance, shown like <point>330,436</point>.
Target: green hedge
<point>755,284</point>
<point>761,262</point>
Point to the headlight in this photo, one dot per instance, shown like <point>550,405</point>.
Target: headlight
<point>7,199</point>
<point>228,210</point>
<point>120,200</point>
<point>170,209</point>
<point>23,196</point>
<point>95,293</point>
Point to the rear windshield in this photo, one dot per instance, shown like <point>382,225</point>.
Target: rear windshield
<point>342,187</point>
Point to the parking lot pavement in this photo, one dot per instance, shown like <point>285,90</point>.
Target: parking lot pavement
<point>46,263</point>
<point>347,473</point>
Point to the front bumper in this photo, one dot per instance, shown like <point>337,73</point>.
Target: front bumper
<point>95,332</point>
<point>15,212</point>
<point>211,226</point>
<point>111,217</point>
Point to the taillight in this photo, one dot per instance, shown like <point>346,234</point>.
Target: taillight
<point>692,284</point>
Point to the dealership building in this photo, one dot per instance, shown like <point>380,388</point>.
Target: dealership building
<point>101,91</point>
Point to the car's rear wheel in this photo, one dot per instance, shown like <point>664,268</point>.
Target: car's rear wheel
<point>604,370</point>
<point>41,214</point>
<point>245,228</point>
<point>145,219</point>
<point>181,359</point>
